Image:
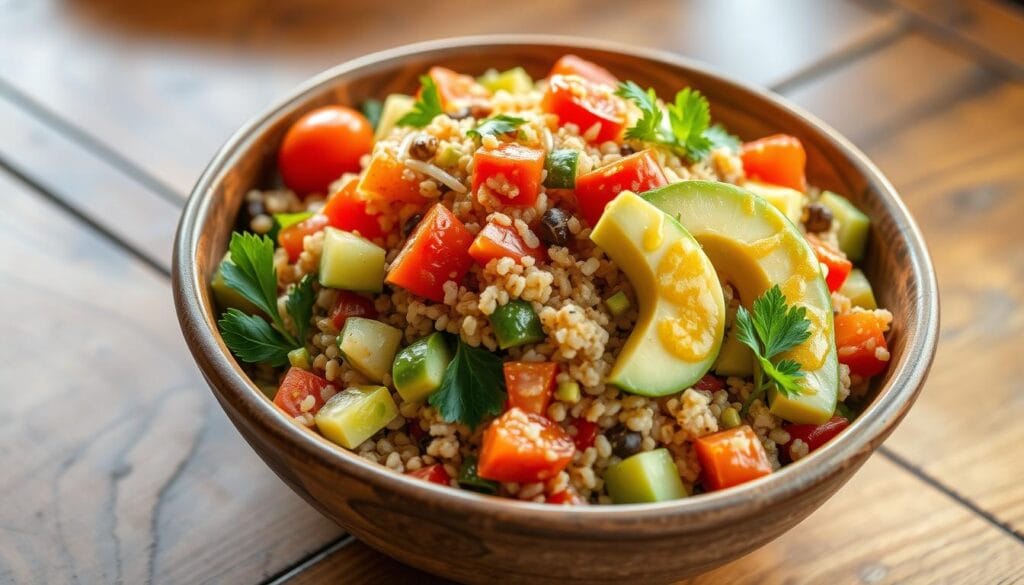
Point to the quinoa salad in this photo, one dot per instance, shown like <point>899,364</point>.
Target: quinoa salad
<point>568,290</point>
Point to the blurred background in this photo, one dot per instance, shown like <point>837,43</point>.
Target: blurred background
<point>120,467</point>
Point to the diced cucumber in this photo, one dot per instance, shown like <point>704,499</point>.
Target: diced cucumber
<point>471,481</point>
<point>735,358</point>
<point>419,368</point>
<point>618,303</point>
<point>227,297</point>
<point>561,165</point>
<point>515,324</point>
<point>515,80</point>
<point>858,290</point>
<point>449,156</point>
<point>396,105</point>
<point>789,201</point>
<point>369,346</point>
<point>651,476</point>
<point>283,220</point>
<point>356,414</point>
<point>299,358</point>
<point>731,418</point>
<point>350,262</point>
<point>853,224</point>
<point>568,392</point>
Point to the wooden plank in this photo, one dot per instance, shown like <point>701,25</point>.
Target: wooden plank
<point>918,536</point>
<point>993,26</point>
<point>951,138</point>
<point>127,471</point>
<point>166,86</point>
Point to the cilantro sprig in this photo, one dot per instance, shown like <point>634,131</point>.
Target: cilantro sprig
<point>772,328</point>
<point>496,126</point>
<point>252,274</point>
<point>473,387</point>
<point>427,106</point>
<point>688,131</point>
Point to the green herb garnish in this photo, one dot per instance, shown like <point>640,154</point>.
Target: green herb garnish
<point>687,133</point>
<point>720,138</point>
<point>251,272</point>
<point>284,220</point>
<point>427,105</point>
<point>496,126</point>
<point>473,387</point>
<point>773,328</point>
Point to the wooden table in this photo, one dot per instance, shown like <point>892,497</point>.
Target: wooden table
<point>117,464</point>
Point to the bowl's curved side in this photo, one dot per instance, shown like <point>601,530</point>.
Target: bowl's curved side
<point>377,504</point>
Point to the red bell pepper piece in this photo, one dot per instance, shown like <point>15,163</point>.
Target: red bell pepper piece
<point>517,166</point>
<point>530,385</point>
<point>586,433</point>
<point>815,436</point>
<point>456,90</point>
<point>523,447</point>
<point>350,304</point>
<point>500,241</point>
<point>386,179</point>
<point>838,266</point>
<point>583,103</point>
<point>346,210</point>
<point>291,237</point>
<point>710,383</point>
<point>573,65</point>
<point>435,473</point>
<point>437,251</point>
<point>860,342</point>
<point>296,386</point>
<point>778,159</point>
<point>637,172</point>
<point>731,457</point>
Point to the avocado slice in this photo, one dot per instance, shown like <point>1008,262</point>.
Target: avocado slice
<point>651,476</point>
<point>853,225</point>
<point>681,309</point>
<point>753,246</point>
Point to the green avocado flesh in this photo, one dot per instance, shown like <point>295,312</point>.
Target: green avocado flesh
<point>679,298</point>
<point>651,476</point>
<point>753,247</point>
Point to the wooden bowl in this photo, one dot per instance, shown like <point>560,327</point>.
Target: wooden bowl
<point>482,539</point>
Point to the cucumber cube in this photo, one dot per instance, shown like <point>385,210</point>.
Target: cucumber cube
<point>419,368</point>
<point>299,358</point>
<point>789,201</point>
<point>568,392</point>
<point>853,224</point>
<point>514,81</point>
<point>618,303</point>
<point>516,323</point>
<point>651,476</point>
<point>227,297</point>
<point>396,105</point>
<point>350,262</point>
<point>858,290</point>
<point>369,346</point>
<point>356,414</point>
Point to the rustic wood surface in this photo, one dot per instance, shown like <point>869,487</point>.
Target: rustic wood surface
<point>119,466</point>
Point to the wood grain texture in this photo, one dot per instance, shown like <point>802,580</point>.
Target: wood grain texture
<point>940,542</point>
<point>994,26</point>
<point>127,470</point>
<point>165,83</point>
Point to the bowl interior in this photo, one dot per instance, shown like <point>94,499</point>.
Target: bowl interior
<point>897,262</point>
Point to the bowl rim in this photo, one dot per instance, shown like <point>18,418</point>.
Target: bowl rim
<point>229,382</point>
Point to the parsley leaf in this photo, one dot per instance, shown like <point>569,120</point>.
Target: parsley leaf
<point>496,126</point>
<point>251,270</point>
<point>473,387</point>
<point>252,339</point>
<point>299,305</point>
<point>427,106</point>
<point>721,138</point>
<point>689,117</point>
<point>774,327</point>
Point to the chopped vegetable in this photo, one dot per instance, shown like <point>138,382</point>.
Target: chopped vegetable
<point>472,387</point>
<point>349,304</point>
<point>436,252</point>
<point>346,210</point>
<point>511,172</point>
<point>369,346</point>
<point>568,391</point>
<point>710,383</point>
<point>731,418</point>
<point>618,304</point>
<point>350,262</point>
<point>853,225</point>
<point>514,81</point>
<point>651,476</point>
<point>815,436</point>
<point>778,159</point>
<point>299,358</point>
<point>455,90</point>
<point>573,65</point>
<point>858,290</point>
<point>500,241</point>
<point>322,146</point>
<point>354,415</point>
<point>419,368</point>
<point>435,473</point>
<point>291,238</point>
<point>385,179</point>
<point>300,392</point>
<point>637,172</point>
<point>587,105</point>
<point>689,117</point>
<point>835,262</point>
<point>426,107</point>
<point>469,479</point>
<point>496,126</point>
<point>523,447</point>
<point>530,385</point>
<point>731,457</point>
<point>585,433</point>
<point>860,342</point>
<point>561,165</point>
<point>284,220</point>
<point>566,497</point>
<point>789,201</point>
<point>396,106</point>
<point>773,328</point>
<point>449,157</point>
<point>516,323</point>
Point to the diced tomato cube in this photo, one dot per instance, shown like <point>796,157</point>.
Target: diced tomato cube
<point>778,159</point>
<point>291,237</point>
<point>456,90</point>
<point>530,385</point>
<point>573,65</point>
<point>586,433</point>
<point>500,241</point>
<point>386,179</point>
<point>346,210</point>
<point>731,457</point>
<point>583,103</point>
<point>860,342</point>
<point>637,172</point>
<point>437,251</point>
<point>435,473</point>
<point>523,447</point>
<point>295,388</point>
<point>834,259</point>
<point>815,436</point>
<point>510,166</point>
<point>350,304</point>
